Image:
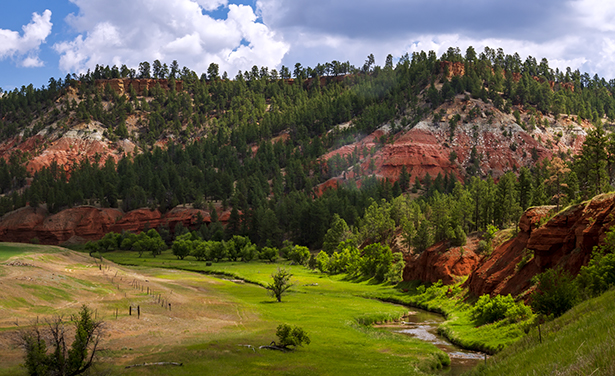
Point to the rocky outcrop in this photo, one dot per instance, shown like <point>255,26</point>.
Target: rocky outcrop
<point>85,223</point>
<point>84,140</point>
<point>430,147</point>
<point>440,262</point>
<point>566,240</point>
<point>20,225</point>
<point>122,85</point>
<point>453,68</point>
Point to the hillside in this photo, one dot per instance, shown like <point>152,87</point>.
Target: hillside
<point>477,140</point>
<point>579,342</point>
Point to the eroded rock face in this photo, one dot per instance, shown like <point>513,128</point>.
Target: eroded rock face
<point>440,262</point>
<point>566,240</point>
<point>80,224</point>
<point>432,147</point>
<point>122,85</point>
<point>20,225</point>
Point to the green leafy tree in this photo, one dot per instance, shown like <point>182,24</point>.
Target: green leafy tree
<point>182,246</point>
<point>338,232</point>
<point>280,283</point>
<point>377,224</point>
<point>248,253</point>
<point>149,242</point>
<point>218,251</point>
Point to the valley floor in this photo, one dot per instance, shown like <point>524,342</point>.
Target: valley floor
<point>209,321</point>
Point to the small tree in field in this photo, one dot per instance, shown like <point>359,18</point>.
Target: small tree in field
<point>62,360</point>
<point>281,283</point>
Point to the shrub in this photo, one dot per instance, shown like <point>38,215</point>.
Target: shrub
<point>298,254</point>
<point>394,275</point>
<point>248,253</point>
<point>488,310</point>
<point>555,293</point>
<point>268,253</point>
<point>291,336</point>
<point>322,261</point>
<point>599,275</point>
<point>527,257</point>
<point>483,247</point>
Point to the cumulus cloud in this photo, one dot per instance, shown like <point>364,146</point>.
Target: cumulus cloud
<point>133,31</point>
<point>575,33</point>
<point>24,48</point>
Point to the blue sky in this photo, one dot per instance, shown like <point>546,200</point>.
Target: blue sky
<point>40,39</point>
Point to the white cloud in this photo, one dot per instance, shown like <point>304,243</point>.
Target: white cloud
<point>133,31</point>
<point>12,44</point>
<point>575,33</point>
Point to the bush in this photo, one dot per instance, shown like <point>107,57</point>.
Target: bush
<point>268,253</point>
<point>599,275</point>
<point>248,253</point>
<point>555,293</point>
<point>488,310</point>
<point>483,247</point>
<point>322,262</point>
<point>291,336</point>
<point>298,254</point>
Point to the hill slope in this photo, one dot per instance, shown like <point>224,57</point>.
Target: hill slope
<point>581,342</point>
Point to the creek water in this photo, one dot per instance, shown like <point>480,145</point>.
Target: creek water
<point>423,325</point>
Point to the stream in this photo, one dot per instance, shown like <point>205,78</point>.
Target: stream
<point>424,326</point>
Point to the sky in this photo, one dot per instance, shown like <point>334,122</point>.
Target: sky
<point>40,39</point>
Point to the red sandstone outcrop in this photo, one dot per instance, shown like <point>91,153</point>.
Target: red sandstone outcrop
<point>122,85</point>
<point>458,69</point>
<point>439,262</point>
<point>453,68</point>
<point>20,225</point>
<point>501,144</point>
<point>566,241</point>
<point>89,223</point>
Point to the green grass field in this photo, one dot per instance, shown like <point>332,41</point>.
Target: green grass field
<point>331,309</point>
<point>8,250</point>
<point>327,307</point>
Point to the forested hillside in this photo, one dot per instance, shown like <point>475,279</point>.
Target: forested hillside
<point>263,144</point>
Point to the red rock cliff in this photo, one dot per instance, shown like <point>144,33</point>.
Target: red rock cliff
<point>566,241</point>
<point>89,223</point>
